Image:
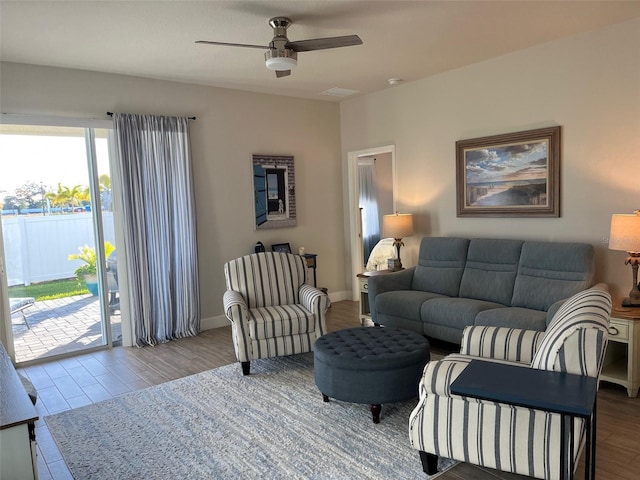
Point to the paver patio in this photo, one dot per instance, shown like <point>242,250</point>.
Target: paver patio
<point>60,326</point>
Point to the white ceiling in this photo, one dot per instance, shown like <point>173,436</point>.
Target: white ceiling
<point>403,39</point>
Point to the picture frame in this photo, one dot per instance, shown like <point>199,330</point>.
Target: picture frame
<point>509,175</point>
<point>274,191</point>
<point>281,247</point>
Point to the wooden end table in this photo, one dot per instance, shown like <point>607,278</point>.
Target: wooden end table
<point>622,360</point>
<point>312,262</point>
<point>569,395</point>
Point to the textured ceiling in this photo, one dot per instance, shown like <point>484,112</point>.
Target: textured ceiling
<point>402,39</point>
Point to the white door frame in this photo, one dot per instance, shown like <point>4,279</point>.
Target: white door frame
<point>6,334</point>
<point>6,331</point>
<point>355,231</point>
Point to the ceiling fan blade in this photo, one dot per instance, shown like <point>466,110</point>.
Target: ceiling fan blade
<point>324,43</point>
<point>283,73</point>
<point>246,45</point>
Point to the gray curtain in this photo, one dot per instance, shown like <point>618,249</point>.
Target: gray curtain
<point>369,205</point>
<point>154,162</point>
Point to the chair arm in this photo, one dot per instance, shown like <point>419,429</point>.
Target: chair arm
<point>317,302</point>
<point>313,299</point>
<point>501,343</point>
<point>235,306</point>
<point>553,309</point>
<point>439,375</point>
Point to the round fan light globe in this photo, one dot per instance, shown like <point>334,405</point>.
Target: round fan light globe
<point>281,63</point>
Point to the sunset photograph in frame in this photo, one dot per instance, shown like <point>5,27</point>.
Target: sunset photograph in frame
<point>510,175</point>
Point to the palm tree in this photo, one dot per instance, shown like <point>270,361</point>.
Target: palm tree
<point>105,191</point>
<point>75,195</point>
<point>60,198</point>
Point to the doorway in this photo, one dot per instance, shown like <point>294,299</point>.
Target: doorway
<point>57,209</point>
<point>385,158</point>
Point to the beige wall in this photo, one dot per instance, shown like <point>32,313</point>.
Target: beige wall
<point>589,84</point>
<point>230,126</point>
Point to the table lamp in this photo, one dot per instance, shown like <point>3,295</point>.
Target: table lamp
<point>625,236</point>
<point>397,226</point>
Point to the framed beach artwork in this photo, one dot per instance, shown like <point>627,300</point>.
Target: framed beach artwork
<point>274,191</point>
<point>510,175</point>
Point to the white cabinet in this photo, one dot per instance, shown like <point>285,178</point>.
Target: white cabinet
<point>622,360</point>
<point>17,425</point>
<point>363,280</point>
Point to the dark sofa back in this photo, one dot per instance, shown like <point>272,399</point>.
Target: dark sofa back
<point>515,273</point>
<point>552,271</point>
<point>490,271</point>
<point>441,262</point>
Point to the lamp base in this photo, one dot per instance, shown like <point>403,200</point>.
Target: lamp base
<point>398,243</point>
<point>631,302</point>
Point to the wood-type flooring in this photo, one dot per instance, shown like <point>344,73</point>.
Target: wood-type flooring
<point>92,377</point>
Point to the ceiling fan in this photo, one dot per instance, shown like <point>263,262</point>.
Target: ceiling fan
<point>282,54</point>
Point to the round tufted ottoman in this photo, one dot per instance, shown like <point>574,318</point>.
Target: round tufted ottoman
<point>370,365</point>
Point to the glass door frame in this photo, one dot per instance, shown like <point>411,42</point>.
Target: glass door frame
<point>89,126</point>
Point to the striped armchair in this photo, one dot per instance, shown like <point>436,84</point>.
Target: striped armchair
<point>506,437</point>
<point>273,312</point>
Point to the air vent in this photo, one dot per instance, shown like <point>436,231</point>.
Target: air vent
<point>339,92</point>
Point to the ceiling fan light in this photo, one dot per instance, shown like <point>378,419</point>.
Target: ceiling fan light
<point>285,60</point>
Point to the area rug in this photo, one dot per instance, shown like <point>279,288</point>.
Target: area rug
<point>219,424</point>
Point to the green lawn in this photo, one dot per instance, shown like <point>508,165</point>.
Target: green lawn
<point>49,290</point>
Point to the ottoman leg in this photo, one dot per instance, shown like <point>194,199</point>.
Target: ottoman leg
<point>375,412</point>
<point>325,398</point>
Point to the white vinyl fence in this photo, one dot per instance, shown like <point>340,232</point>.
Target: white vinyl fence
<point>37,248</point>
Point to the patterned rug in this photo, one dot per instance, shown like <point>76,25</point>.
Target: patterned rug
<point>218,424</point>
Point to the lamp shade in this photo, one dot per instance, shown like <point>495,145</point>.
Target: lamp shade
<point>625,232</point>
<point>397,225</point>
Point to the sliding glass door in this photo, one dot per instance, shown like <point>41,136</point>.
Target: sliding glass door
<point>59,240</point>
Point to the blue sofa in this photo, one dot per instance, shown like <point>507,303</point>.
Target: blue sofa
<point>496,282</point>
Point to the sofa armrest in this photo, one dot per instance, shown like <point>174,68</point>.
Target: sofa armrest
<point>378,284</point>
<point>501,343</point>
<point>391,281</point>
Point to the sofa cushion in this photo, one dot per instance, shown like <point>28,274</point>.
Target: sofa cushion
<point>440,266</point>
<point>403,303</point>
<point>513,317</point>
<point>454,312</point>
<point>552,271</point>
<point>490,271</point>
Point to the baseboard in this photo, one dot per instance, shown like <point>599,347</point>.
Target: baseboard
<point>339,296</point>
<point>214,322</point>
<point>222,321</point>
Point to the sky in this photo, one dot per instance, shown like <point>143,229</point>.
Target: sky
<point>46,159</point>
<point>521,161</point>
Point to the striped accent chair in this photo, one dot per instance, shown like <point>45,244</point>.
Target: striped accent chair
<point>273,312</point>
<point>506,437</point>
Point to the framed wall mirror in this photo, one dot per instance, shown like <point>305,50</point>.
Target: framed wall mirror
<point>274,191</point>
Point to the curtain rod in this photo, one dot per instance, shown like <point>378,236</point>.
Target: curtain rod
<point>111,115</point>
